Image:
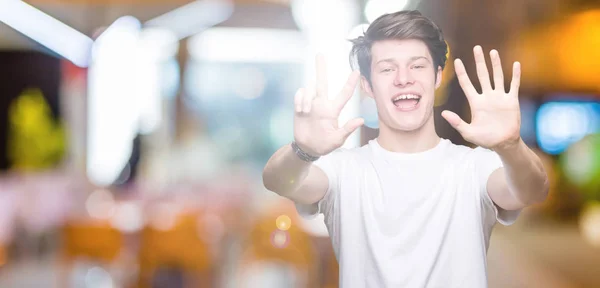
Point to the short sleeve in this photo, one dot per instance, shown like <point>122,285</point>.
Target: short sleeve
<point>486,162</point>
<point>330,164</point>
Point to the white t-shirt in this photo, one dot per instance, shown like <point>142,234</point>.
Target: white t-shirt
<point>410,220</point>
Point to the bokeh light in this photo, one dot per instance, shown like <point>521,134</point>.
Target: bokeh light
<point>97,277</point>
<point>283,222</point>
<point>100,204</point>
<point>314,16</point>
<point>163,216</point>
<point>581,164</point>
<point>128,217</point>
<point>589,223</point>
<point>280,239</point>
<point>562,123</point>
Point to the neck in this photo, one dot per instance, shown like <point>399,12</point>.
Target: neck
<point>422,139</point>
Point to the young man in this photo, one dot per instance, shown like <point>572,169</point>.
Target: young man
<point>410,209</point>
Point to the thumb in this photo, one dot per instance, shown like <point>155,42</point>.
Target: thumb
<point>456,122</point>
<point>351,126</point>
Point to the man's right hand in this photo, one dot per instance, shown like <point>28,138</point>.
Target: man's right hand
<point>316,129</point>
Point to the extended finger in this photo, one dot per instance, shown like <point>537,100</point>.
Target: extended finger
<point>463,79</point>
<point>298,100</point>
<point>516,79</point>
<point>497,70</point>
<point>482,71</point>
<point>457,123</point>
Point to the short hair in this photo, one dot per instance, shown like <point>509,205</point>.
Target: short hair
<point>398,25</point>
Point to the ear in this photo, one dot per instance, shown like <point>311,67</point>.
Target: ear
<point>364,83</point>
<point>438,78</point>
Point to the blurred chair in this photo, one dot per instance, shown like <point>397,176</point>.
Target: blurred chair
<point>96,241</point>
<point>290,247</point>
<point>177,248</point>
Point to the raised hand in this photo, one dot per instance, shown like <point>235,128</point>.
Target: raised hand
<point>495,114</point>
<point>316,129</point>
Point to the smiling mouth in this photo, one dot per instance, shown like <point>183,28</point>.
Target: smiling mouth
<point>406,101</point>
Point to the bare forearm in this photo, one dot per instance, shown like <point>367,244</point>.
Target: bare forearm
<point>285,172</point>
<point>525,174</point>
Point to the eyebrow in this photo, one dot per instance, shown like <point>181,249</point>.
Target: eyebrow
<point>411,59</point>
<point>415,58</point>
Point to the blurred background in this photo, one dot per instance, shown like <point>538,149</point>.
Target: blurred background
<point>133,134</point>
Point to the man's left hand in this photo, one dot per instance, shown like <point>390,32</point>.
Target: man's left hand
<point>495,114</point>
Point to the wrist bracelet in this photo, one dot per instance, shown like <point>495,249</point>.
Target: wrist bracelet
<point>303,155</point>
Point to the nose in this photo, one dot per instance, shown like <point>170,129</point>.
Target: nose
<point>403,77</point>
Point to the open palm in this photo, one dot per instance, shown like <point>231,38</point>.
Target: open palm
<point>495,114</point>
<point>316,129</point>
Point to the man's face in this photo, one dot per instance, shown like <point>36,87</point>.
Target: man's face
<point>403,79</point>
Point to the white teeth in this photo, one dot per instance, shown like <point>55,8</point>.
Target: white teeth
<point>406,96</point>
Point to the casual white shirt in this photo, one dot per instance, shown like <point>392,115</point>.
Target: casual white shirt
<point>410,220</point>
